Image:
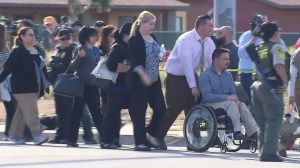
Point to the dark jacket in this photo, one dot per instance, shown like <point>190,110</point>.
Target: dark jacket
<point>118,53</point>
<point>20,64</point>
<point>137,54</point>
<point>61,61</point>
<point>83,67</point>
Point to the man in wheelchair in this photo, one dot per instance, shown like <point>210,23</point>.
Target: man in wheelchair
<point>217,89</point>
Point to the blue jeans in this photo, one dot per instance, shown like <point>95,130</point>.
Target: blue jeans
<point>246,82</point>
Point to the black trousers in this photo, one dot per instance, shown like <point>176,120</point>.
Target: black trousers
<point>178,97</point>
<point>138,104</point>
<point>63,107</point>
<point>116,101</point>
<point>10,108</point>
<point>92,99</point>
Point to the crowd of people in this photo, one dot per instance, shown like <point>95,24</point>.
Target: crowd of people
<point>197,72</point>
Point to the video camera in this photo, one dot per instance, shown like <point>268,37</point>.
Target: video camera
<point>256,22</point>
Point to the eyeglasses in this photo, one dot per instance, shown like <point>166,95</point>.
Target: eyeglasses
<point>65,38</point>
<point>31,35</point>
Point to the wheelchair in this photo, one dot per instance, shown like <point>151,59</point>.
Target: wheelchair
<point>204,124</point>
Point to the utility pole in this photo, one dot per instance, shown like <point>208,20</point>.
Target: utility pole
<point>225,14</point>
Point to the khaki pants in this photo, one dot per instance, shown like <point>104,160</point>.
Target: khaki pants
<point>236,112</point>
<point>26,113</point>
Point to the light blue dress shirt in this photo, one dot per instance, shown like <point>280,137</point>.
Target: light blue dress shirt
<point>215,87</point>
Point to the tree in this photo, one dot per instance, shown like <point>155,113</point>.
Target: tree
<point>76,7</point>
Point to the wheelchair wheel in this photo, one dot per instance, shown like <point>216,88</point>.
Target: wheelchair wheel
<point>253,147</point>
<point>223,148</point>
<point>200,128</point>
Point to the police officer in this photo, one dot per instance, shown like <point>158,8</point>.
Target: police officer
<point>267,105</point>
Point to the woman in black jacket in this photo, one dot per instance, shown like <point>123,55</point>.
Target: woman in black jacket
<point>85,58</point>
<point>143,79</point>
<point>29,79</point>
<point>117,95</point>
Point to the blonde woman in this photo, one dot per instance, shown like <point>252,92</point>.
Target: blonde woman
<point>143,79</point>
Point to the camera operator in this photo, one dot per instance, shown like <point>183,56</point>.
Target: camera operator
<point>252,36</point>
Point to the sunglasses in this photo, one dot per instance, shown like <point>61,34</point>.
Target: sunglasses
<point>65,38</point>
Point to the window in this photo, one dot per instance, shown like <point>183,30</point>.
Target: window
<point>178,23</point>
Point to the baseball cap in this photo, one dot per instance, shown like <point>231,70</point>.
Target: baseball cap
<point>99,23</point>
<point>63,32</point>
<point>49,20</point>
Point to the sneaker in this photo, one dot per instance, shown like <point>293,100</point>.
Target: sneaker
<point>16,140</point>
<point>39,140</point>
<point>238,135</point>
<point>5,139</point>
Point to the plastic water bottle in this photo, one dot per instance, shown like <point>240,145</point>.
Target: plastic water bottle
<point>293,115</point>
<point>162,51</point>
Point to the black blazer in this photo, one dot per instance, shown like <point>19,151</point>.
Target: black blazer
<point>20,64</point>
<point>117,54</point>
<point>83,67</point>
<point>137,54</point>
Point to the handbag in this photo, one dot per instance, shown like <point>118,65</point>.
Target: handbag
<point>68,85</point>
<point>102,75</point>
<point>5,90</point>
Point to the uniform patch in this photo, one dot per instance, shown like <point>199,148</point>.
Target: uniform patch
<point>280,53</point>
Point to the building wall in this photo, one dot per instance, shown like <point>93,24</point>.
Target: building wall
<point>288,19</point>
<point>89,17</point>
<point>197,7</point>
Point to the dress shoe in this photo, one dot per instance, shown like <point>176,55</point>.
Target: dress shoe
<point>142,147</point>
<point>108,146</point>
<point>282,150</point>
<point>157,143</point>
<point>72,144</point>
<point>54,141</point>
<point>90,141</point>
<point>270,158</point>
<point>238,135</point>
<point>253,136</point>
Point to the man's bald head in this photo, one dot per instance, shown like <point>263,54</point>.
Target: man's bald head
<point>227,32</point>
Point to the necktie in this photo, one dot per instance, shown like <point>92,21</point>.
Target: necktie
<point>202,58</point>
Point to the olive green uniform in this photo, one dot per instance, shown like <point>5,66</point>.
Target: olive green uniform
<point>267,109</point>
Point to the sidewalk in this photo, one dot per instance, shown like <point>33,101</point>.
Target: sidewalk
<point>174,137</point>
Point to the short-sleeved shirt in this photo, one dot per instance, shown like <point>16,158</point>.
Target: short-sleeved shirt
<point>278,54</point>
